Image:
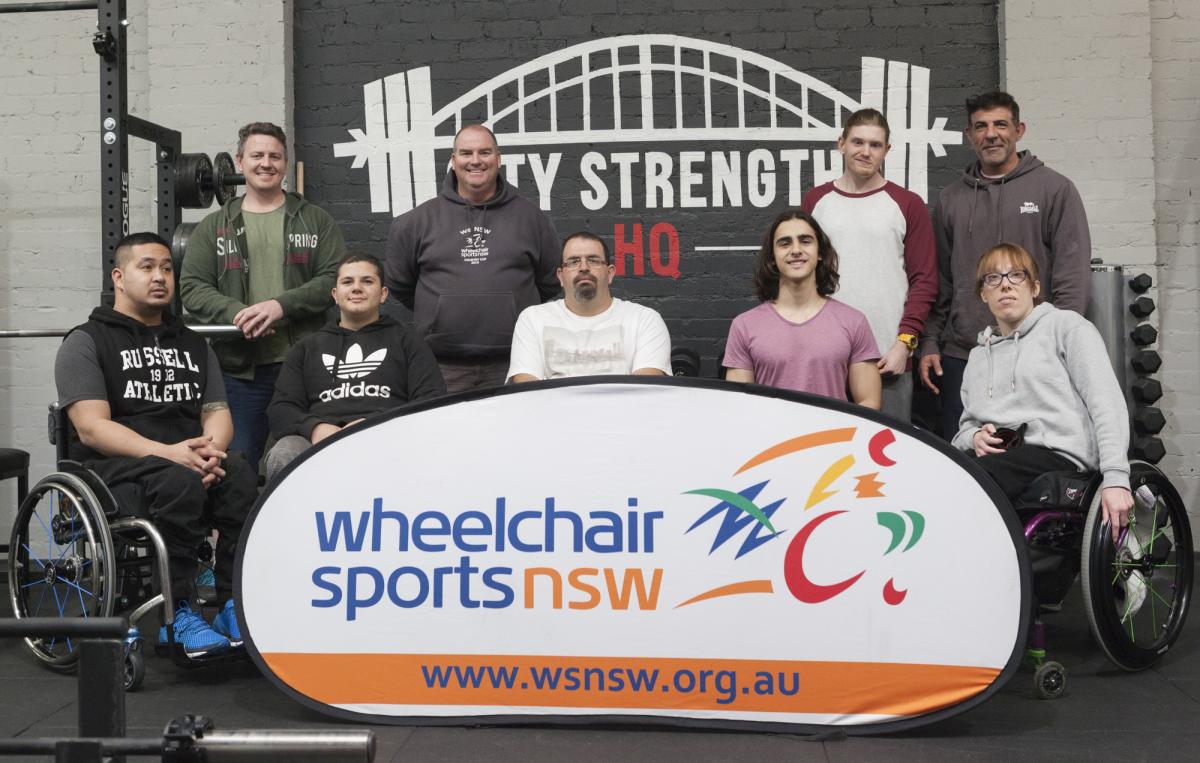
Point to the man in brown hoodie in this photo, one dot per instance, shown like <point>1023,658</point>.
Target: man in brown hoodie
<point>1004,196</point>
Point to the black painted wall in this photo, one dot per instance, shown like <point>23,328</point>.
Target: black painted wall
<point>341,45</point>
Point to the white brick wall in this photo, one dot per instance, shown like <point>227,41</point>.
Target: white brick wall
<point>1110,92</point>
<point>1081,72</point>
<point>1174,47</point>
<point>201,68</point>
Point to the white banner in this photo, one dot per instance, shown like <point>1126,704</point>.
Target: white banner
<point>650,549</point>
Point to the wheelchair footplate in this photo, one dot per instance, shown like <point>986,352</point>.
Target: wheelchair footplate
<point>177,655</point>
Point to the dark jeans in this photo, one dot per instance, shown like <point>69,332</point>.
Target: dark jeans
<point>248,401</point>
<point>182,510</point>
<point>463,375</point>
<point>1014,469</point>
<point>950,384</point>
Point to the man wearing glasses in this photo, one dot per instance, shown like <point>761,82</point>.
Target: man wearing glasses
<point>588,332</point>
<point>1004,196</point>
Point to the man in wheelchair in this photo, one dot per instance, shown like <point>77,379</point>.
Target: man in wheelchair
<point>1038,392</point>
<point>145,397</point>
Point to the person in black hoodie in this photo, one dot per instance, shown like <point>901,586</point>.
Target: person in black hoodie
<point>362,364</point>
<point>469,261</point>
<point>145,397</point>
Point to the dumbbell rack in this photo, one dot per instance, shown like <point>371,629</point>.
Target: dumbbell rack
<point>1119,308</point>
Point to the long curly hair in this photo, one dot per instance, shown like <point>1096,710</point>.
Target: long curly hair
<point>766,272</point>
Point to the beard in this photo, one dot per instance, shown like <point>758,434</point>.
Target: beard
<point>585,290</point>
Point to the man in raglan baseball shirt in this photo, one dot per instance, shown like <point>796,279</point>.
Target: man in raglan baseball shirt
<point>469,261</point>
<point>145,396</point>
<point>886,258</point>
<point>1005,196</point>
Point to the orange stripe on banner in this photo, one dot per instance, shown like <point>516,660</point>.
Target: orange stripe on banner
<point>733,589</point>
<point>810,440</point>
<point>837,688</point>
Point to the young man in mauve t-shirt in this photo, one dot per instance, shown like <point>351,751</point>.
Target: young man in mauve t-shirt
<point>799,338</point>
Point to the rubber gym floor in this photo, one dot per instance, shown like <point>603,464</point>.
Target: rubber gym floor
<point>1106,714</point>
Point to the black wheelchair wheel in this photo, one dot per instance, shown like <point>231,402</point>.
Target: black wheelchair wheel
<point>1049,680</point>
<point>1137,594</point>
<point>60,562</point>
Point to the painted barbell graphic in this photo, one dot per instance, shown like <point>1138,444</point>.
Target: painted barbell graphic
<point>595,102</point>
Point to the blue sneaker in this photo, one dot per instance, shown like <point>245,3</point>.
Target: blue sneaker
<point>206,586</point>
<point>195,636</point>
<point>226,624</point>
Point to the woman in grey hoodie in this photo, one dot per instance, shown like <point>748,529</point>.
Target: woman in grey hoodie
<point>1046,369</point>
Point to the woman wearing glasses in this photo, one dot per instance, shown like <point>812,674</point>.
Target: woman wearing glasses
<point>1038,392</point>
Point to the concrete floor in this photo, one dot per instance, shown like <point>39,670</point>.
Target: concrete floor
<point>1106,715</point>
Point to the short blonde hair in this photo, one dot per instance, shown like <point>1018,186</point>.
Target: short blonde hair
<point>1014,253</point>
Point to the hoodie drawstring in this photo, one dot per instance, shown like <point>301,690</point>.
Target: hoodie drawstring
<point>1016,357</point>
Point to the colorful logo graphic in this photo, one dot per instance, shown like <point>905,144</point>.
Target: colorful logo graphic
<point>742,514</point>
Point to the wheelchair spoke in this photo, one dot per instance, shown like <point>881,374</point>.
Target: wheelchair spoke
<point>82,605</point>
<point>82,591</point>
<point>29,552</point>
<point>41,598</point>
<point>57,601</point>
<point>36,582</point>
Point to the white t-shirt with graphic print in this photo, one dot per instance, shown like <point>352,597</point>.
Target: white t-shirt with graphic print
<point>551,342</point>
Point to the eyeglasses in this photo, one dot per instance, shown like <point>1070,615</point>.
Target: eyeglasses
<point>1015,277</point>
<point>574,263</point>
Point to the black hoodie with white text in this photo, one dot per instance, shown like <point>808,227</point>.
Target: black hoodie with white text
<point>338,375</point>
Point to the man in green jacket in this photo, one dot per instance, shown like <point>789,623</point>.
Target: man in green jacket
<point>265,262</point>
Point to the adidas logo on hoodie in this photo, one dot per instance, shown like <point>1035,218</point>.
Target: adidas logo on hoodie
<point>354,366</point>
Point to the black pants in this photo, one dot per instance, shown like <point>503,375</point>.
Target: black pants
<point>1014,469</point>
<point>182,509</point>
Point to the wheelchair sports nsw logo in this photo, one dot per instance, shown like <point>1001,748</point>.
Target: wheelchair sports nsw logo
<point>737,515</point>
<point>616,547</point>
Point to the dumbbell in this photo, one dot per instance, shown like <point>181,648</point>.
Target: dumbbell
<point>1146,390</point>
<point>1146,361</point>
<point>1141,307</point>
<point>1149,420</point>
<point>1148,449</point>
<point>1144,334</point>
<point>1141,282</point>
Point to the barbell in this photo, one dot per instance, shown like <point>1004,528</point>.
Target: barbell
<point>199,179</point>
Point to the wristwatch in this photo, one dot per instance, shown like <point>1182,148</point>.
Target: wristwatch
<point>910,341</point>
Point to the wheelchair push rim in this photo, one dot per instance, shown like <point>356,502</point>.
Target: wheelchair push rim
<point>60,562</point>
<point>1154,558</point>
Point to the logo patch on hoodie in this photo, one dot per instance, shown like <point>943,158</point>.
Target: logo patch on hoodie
<point>475,246</point>
<point>354,365</point>
<point>1029,208</point>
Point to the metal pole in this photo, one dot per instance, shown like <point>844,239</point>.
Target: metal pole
<point>83,627</point>
<point>1107,310</point>
<point>101,689</point>
<point>67,5</point>
<point>292,746</point>
<point>214,330</point>
<point>109,43</point>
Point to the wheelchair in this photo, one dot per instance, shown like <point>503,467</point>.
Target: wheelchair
<point>1136,592</point>
<point>74,553</point>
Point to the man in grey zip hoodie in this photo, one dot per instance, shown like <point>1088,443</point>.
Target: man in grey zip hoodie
<point>469,261</point>
<point>1005,195</point>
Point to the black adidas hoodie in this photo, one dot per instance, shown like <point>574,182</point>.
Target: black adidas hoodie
<point>154,376</point>
<point>337,375</point>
